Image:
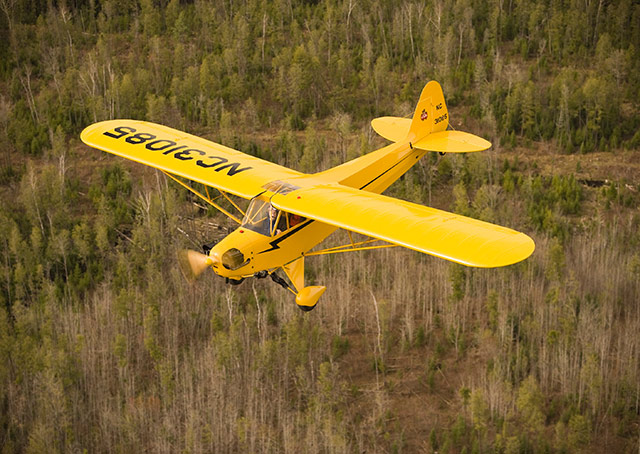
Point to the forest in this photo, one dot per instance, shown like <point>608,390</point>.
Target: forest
<point>105,347</point>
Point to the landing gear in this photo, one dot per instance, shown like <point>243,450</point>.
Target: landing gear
<point>233,281</point>
<point>308,297</point>
<point>278,280</point>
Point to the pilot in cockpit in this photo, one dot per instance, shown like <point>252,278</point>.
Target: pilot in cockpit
<point>273,219</point>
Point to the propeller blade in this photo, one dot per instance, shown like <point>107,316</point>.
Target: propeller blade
<point>192,263</point>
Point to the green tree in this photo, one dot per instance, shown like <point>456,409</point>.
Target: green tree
<point>530,406</point>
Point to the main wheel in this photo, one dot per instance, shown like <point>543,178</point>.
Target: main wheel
<point>234,281</point>
<point>307,308</point>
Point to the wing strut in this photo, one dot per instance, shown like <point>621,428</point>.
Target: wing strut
<point>207,198</point>
<point>351,247</point>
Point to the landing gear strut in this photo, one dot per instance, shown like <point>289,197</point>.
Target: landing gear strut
<point>278,280</point>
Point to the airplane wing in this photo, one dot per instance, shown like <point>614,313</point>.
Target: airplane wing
<point>446,235</point>
<point>185,155</point>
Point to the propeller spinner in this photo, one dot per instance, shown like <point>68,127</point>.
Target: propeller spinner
<point>193,263</point>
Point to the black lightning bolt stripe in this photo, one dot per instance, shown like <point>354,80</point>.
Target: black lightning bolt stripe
<point>274,243</point>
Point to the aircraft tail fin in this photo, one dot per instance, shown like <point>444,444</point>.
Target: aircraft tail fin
<point>431,114</point>
<point>427,130</point>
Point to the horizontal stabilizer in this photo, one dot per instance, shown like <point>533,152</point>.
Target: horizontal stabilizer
<point>427,130</point>
<point>394,129</point>
<point>452,142</point>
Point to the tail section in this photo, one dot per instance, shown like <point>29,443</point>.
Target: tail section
<point>427,130</point>
<point>431,115</point>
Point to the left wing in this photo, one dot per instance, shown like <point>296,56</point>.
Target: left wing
<point>185,155</point>
<point>446,235</point>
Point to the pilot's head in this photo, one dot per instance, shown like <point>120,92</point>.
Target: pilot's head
<point>272,212</point>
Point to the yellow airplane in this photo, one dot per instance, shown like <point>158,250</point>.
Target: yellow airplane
<point>290,212</point>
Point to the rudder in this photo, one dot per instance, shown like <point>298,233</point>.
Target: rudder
<point>431,114</point>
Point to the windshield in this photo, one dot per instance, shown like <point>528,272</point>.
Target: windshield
<point>257,216</point>
<point>264,218</point>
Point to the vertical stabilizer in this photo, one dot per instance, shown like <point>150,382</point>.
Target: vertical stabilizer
<point>431,113</point>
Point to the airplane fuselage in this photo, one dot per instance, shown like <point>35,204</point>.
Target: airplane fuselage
<point>373,172</point>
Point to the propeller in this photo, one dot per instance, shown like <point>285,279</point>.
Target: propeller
<point>193,263</point>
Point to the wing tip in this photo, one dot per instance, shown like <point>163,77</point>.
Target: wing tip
<point>516,254</point>
<point>102,126</point>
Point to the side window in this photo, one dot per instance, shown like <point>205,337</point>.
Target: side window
<point>279,223</point>
<point>286,221</point>
<point>295,219</point>
<point>282,222</point>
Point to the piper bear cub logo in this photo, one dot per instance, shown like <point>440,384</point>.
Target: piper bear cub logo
<point>424,115</point>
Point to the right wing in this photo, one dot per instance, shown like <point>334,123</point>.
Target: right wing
<point>185,155</point>
<point>446,235</point>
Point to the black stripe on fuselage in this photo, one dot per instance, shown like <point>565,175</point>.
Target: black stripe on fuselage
<point>388,170</point>
<point>274,243</point>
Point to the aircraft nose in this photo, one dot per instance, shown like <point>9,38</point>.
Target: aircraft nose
<point>213,259</point>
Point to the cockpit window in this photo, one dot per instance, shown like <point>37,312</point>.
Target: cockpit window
<point>264,218</point>
<point>279,222</point>
<point>257,216</point>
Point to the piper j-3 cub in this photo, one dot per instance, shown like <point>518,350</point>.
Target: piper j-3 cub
<point>290,212</point>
